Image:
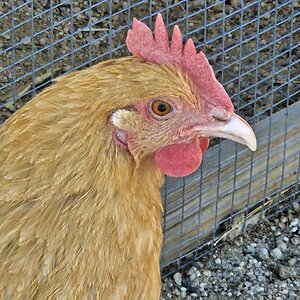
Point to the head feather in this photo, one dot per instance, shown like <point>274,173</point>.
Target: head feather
<point>156,48</point>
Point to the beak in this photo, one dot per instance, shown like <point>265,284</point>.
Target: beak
<point>235,129</point>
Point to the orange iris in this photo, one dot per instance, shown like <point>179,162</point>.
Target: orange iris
<point>161,108</point>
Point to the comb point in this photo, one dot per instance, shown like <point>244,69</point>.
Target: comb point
<point>160,33</point>
<point>160,19</point>
<point>189,48</point>
<point>139,39</point>
<point>176,43</point>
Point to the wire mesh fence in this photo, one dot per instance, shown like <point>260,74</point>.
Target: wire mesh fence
<point>254,49</point>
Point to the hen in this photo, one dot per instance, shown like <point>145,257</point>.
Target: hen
<point>82,165</point>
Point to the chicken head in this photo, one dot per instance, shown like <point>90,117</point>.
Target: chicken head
<point>175,129</point>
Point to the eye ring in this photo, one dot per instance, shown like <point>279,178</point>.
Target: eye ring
<point>161,108</point>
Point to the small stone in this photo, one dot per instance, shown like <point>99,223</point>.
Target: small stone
<point>277,233</point>
<point>192,287</point>
<point>284,292</point>
<point>248,284</point>
<point>295,240</point>
<point>259,289</point>
<point>228,9</point>
<point>292,262</point>
<point>282,246</point>
<point>231,84</point>
<point>235,3</point>
<point>183,292</point>
<point>292,295</point>
<point>202,286</point>
<point>191,270</point>
<point>293,229</point>
<point>218,261</point>
<point>294,250</point>
<point>95,19</point>
<point>296,206</point>
<point>193,276</point>
<point>6,36</point>
<point>276,253</point>
<point>285,239</point>
<point>206,273</point>
<point>26,40</point>
<point>283,219</point>
<point>257,265</point>
<point>224,285</point>
<point>261,278</point>
<point>250,249</point>
<point>281,225</point>
<point>177,292</point>
<point>177,278</point>
<point>43,41</point>
<point>76,10</point>
<point>285,272</point>
<point>282,284</point>
<point>294,222</point>
<point>263,253</point>
<point>253,261</point>
<point>229,294</point>
<point>198,265</point>
<point>193,295</point>
<point>268,274</point>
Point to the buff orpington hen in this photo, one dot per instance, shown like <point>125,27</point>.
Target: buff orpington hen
<point>82,164</point>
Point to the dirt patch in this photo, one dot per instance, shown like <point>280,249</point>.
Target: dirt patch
<point>253,47</point>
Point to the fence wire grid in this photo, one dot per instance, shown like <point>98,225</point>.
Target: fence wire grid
<point>254,49</point>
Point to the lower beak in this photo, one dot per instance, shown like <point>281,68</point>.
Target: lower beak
<point>235,129</point>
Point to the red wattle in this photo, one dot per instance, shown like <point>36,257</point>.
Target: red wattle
<point>179,160</point>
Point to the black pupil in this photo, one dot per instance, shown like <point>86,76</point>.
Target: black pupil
<point>162,107</point>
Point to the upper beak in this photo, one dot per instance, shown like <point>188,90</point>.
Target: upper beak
<point>235,129</point>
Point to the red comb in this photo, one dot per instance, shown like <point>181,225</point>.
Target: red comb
<point>158,49</point>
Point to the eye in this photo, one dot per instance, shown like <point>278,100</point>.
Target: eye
<point>161,108</point>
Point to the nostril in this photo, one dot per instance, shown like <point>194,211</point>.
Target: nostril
<point>220,114</point>
<point>221,117</point>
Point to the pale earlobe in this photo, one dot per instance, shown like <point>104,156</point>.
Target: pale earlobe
<point>126,120</point>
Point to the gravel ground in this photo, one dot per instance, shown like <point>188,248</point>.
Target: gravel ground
<point>263,263</point>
